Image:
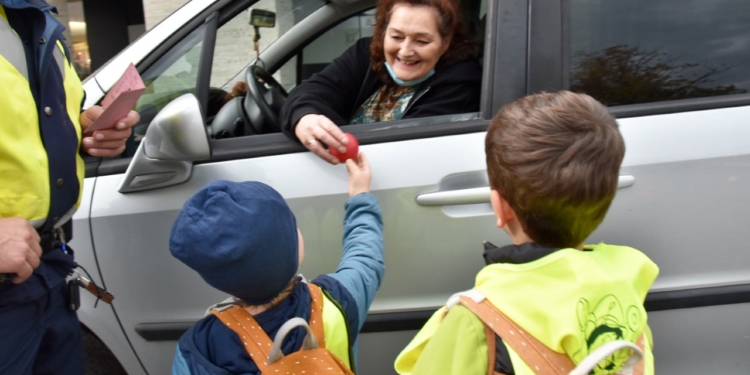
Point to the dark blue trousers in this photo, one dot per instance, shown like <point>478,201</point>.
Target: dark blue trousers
<point>41,337</point>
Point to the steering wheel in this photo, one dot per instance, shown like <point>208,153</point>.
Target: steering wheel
<point>267,95</point>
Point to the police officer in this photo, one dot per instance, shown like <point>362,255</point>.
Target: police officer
<point>41,175</point>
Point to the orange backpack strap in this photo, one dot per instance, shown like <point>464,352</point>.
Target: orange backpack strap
<point>537,356</point>
<point>640,367</point>
<point>316,314</point>
<point>489,334</point>
<point>257,343</point>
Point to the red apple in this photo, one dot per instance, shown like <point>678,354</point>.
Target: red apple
<point>352,149</point>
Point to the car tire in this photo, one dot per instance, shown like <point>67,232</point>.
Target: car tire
<point>97,358</point>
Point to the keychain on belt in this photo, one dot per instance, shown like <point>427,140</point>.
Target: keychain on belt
<point>76,281</point>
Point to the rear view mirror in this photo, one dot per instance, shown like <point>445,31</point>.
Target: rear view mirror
<point>262,18</point>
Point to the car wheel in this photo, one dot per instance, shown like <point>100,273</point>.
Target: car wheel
<point>98,359</point>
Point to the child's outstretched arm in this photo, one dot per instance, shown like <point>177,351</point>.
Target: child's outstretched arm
<point>362,259</point>
<point>362,267</point>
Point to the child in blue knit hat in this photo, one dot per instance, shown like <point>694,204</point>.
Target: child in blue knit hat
<point>242,238</point>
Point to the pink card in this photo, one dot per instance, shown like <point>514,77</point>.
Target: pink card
<point>119,100</point>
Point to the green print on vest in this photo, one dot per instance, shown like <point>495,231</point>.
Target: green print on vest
<point>607,321</point>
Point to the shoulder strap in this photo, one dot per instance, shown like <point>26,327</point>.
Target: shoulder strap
<point>316,314</point>
<point>489,334</point>
<point>257,343</point>
<point>538,356</point>
<point>640,367</point>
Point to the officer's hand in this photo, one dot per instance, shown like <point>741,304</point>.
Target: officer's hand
<point>19,248</point>
<point>109,142</point>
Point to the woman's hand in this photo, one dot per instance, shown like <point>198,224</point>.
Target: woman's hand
<point>312,130</point>
<point>359,175</point>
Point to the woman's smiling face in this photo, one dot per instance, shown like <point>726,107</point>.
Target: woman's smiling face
<point>413,44</point>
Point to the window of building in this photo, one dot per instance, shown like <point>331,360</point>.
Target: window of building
<point>640,51</point>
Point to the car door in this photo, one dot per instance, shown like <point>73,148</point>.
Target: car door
<point>158,297</point>
<point>675,75</point>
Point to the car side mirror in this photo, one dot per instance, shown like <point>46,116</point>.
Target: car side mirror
<point>262,18</point>
<point>175,138</point>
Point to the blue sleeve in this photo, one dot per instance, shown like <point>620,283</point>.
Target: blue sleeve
<point>179,365</point>
<point>362,267</point>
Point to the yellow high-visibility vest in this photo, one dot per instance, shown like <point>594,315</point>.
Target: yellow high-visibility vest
<point>25,175</point>
<point>336,332</point>
<point>572,301</point>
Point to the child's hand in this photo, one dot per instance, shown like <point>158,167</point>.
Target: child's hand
<point>359,175</point>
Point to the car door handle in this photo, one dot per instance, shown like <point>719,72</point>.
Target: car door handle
<point>481,195</point>
<point>454,197</point>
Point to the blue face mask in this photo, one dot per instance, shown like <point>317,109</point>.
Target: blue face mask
<point>401,82</point>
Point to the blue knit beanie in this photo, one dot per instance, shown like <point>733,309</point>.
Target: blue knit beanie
<point>241,237</point>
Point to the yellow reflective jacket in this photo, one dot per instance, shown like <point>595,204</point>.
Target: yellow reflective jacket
<point>572,301</point>
<point>40,168</point>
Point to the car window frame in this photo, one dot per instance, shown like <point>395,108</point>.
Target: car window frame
<point>549,65</point>
<point>497,89</point>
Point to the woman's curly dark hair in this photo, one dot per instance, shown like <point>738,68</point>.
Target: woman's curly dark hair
<point>450,25</point>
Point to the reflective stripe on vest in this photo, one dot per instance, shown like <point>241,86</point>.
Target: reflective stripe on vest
<point>11,48</point>
<point>57,53</point>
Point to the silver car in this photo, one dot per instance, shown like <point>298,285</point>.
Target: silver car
<point>674,72</point>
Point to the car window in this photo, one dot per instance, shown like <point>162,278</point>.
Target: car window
<point>331,44</point>
<point>234,36</point>
<point>641,51</point>
<point>172,75</point>
<point>176,72</point>
<point>315,56</point>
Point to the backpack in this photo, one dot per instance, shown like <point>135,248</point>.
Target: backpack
<point>535,354</point>
<point>313,358</point>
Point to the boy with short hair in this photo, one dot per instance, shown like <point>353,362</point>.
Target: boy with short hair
<point>553,161</point>
<point>242,238</point>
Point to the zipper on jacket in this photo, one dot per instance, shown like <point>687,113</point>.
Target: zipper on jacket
<point>414,100</point>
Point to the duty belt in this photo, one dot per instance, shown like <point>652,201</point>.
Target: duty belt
<point>50,241</point>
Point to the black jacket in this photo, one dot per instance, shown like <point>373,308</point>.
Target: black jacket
<point>339,90</point>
